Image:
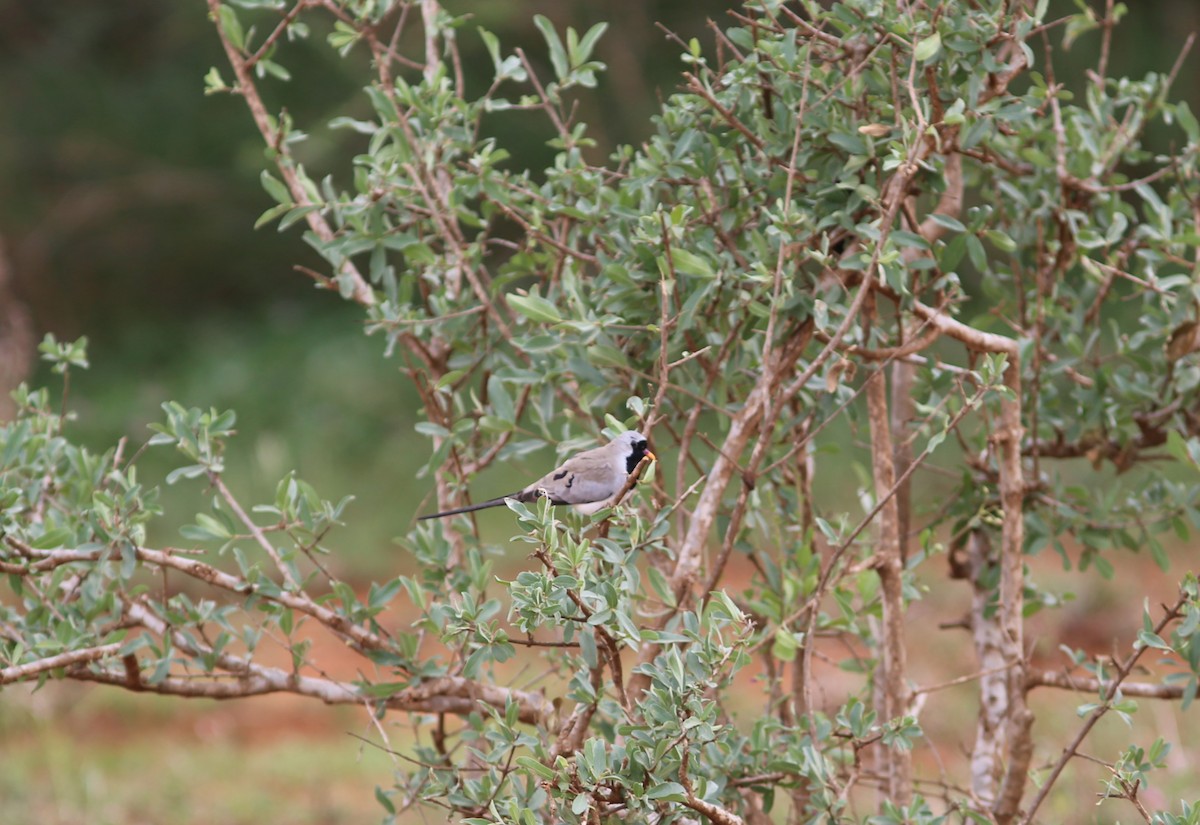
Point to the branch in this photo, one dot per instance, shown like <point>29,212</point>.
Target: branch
<point>279,30</point>
<point>448,694</point>
<point>364,638</point>
<point>826,578</point>
<point>361,292</point>
<point>1123,454</point>
<point>433,60</point>
<point>1090,684</point>
<point>255,531</point>
<point>711,812</point>
<point>973,338</point>
<point>986,637</point>
<point>898,353</point>
<point>1009,616</point>
<point>728,115</point>
<point>16,673</point>
<point>893,659</point>
<point>949,204</point>
<point>611,649</point>
<point>1123,671</point>
<point>743,427</point>
<point>630,482</point>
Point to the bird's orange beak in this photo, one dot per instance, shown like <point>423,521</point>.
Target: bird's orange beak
<point>651,455</point>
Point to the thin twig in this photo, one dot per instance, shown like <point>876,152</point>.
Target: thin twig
<point>1111,688</point>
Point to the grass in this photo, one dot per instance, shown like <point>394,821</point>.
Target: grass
<point>124,759</point>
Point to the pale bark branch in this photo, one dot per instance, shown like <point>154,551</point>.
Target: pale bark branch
<point>259,536</point>
<point>360,290</point>
<point>973,338</point>
<point>950,203</point>
<point>362,637</point>
<point>987,752</point>
<point>456,696</point>
<point>16,673</point>
<point>1123,670</point>
<point>713,813</point>
<point>743,427</point>
<point>1009,615</point>
<point>448,694</point>
<point>433,58</point>
<point>1090,684</point>
<point>903,412</point>
<point>893,656</point>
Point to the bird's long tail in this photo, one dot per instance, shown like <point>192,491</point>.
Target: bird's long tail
<point>470,508</point>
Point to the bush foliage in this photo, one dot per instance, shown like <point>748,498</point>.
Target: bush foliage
<point>883,220</point>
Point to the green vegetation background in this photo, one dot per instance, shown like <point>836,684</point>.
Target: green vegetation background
<point>129,201</point>
<point>127,212</point>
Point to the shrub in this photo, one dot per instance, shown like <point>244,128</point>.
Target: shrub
<point>875,220</point>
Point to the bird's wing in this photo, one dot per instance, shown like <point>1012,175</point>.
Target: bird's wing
<point>585,478</point>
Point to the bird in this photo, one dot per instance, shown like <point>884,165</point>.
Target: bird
<point>586,480</point>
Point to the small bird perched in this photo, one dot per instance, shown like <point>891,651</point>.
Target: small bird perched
<point>585,481</point>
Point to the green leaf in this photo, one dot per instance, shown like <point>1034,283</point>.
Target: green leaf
<point>535,308</point>
<point>603,355</point>
<point>852,142</point>
<point>533,766</point>
<point>912,240</point>
<point>274,69</point>
<point>295,214</point>
<point>213,82</point>
<point>276,189</point>
<point>1000,240</point>
<point>1180,448</point>
<point>583,52</point>
<point>690,264</point>
<point>660,585</point>
<point>231,26</point>
<point>53,539</point>
<point>432,430</point>
<point>205,528</point>
<point>383,800</point>
<point>558,55</point>
<point>720,599</point>
<point>17,437</point>
<point>668,791</point>
<point>1148,639</point>
<point>928,47</point>
<point>271,214</point>
<point>784,646</point>
<point>976,253</point>
<point>190,471</point>
<point>378,596</point>
<point>947,221</point>
<point>492,44</point>
<point>500,400</point>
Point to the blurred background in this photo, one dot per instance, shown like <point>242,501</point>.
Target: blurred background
<point>127,212</point>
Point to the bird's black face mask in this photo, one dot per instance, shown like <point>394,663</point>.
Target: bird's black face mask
<point>640,448</point>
